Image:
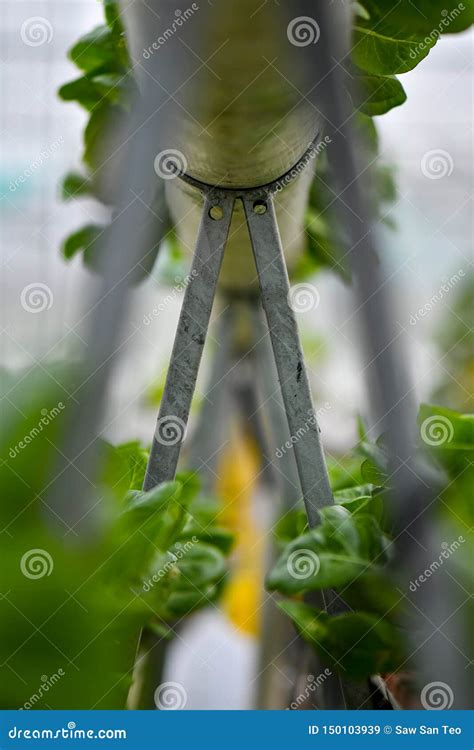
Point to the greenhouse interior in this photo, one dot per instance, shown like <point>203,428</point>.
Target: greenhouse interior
<point>237,358</point>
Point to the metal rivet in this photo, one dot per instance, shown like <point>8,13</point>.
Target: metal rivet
<point>216,213</point>
<point>259,207</point>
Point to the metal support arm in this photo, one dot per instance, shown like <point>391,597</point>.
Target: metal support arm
<point>193,325</point>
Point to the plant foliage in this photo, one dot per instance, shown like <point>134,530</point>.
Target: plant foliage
<point>79,609</point>
<point>348,552</point>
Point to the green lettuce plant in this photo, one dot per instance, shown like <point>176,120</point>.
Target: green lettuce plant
<point>350,549</point>
<point>75,606</point>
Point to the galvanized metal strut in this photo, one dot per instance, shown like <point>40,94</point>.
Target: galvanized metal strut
<point>194,322</point>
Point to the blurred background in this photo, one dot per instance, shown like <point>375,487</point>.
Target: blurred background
<point>428,252</point>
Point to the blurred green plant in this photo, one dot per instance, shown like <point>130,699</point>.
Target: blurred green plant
<point>75,611</point>
<point>351,547</point>
<point>454,338</point>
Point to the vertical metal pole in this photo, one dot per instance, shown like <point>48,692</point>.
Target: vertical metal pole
<point>190,338</point>
<point>275,288</point>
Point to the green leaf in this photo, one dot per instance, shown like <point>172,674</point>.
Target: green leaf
<point>216,536</point>
<point>103,138</point>
<point>143,506</point>
<point>199,564</point>
<point>90,92</point>
<point>375,468</point>
<point>122,467</point>
<point>371,592</point>
<point>101,50</point>
<point>448,436</point>
<point>112,15</point>
<point>76,186</point>
<point>367,498</point>
<point>81,90</point>
<point>357,644</point>
<point>375,95</point>
<point>381,49</point>
<point>331,555</point>
<point>84,240</point>
<point>459,428</point>
<point>324,245</point>
<point>292,524</point>
<point>397,36</point>
<point>344,472</point>
<point>193,578</point>
<point>183,602</point>
<point>423,18</point>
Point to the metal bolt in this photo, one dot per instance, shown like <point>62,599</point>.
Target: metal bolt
<point>259,207</point>
<point>216,213</point>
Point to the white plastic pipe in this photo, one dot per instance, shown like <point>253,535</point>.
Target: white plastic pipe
<point>235,73</point>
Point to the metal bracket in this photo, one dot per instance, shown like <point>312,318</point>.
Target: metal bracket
<point>194,321</point>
